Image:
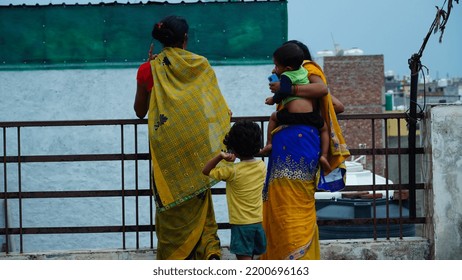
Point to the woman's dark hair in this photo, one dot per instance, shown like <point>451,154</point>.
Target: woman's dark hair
<point>244,138</point>
<point>306,51</point>
<point>170,31</point>
<point>289,55</point>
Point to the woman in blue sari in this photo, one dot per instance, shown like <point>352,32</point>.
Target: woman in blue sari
<point>289,213</point>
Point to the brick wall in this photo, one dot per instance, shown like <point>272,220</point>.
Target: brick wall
<point>359,82</point>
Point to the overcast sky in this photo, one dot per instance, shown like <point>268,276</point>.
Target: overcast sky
<point>394,28</point>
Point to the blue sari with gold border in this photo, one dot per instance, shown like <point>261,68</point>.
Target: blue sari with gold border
<point>289,213</point>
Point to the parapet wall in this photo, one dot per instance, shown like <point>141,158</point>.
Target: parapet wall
<point>408,248</point>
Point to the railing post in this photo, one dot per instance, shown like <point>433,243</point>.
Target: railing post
<point>122,153</point>
<point>136,188</point>
<point>21,249</point>
<point>5,191</point>
<point>414,65</point>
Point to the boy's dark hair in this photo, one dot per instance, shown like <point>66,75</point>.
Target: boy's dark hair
<point>170,31</point>
<point>244,138</point>
<point>289,54</point>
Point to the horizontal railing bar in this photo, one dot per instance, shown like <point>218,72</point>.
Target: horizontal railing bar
<point>149,228</point>
<point>383,187</point>
<point>369,221</point>
<point>84,229</point>
<point>144,121</point>
<point>147,192</point>
<point>74,194</point>
<point>67,158</point>
<point>375,116</point>
<point>219,191</point>
<point>145,156</point>
<point>73,123</point>
<point>384,151</point>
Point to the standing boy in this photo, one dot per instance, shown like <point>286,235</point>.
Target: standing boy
<point>244,184</point>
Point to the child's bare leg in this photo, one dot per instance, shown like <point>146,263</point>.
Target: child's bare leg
<point>325,142</point>
<point>324,163</point>
<point>272,124</point>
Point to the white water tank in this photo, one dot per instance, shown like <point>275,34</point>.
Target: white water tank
<point>390,75</point>
<point>325,53</point>
<point>356,175</point>
<point>353,51</point>
<point>442,83</point>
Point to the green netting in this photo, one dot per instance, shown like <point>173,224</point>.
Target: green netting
<point>118,35</point>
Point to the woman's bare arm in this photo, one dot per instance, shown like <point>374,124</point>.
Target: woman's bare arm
<point>141,105</point>
<point>315,89</point>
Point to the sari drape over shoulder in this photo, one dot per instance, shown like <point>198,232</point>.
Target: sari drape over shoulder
<point>188,119</point>
<point>338,151</point>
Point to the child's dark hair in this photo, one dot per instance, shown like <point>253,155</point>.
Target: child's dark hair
<point>306,51</point>
<point>244,138</point>
<point>289,54</point>
<point>170,31</point>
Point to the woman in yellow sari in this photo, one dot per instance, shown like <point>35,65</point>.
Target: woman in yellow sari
<point>187,118</point>
<point>289,213</point>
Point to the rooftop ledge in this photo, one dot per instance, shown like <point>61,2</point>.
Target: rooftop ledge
<point>407,248</point>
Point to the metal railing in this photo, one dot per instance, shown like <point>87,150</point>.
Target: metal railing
<point>134,208</point>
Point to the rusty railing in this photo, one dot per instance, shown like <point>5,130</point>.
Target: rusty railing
<point>25,157</point>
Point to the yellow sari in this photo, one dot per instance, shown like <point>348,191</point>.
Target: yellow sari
<point>188,119</point>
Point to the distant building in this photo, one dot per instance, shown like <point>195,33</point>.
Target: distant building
<point>429,91</point>
<point>358,82</point>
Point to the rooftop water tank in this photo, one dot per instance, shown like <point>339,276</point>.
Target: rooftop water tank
<point>442,82</point>
<point>353,51</point>
<point>325,53</point>
<point>363,208</point>
<point>389,75</point>
<point>348,205</point>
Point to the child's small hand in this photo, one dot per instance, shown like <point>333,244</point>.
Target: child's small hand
<point>228,156</point>
<point>275,87</point>
<point>269,101</point>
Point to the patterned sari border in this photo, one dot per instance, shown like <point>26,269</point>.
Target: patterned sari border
<point>298,253</point>
<point>188,197</point>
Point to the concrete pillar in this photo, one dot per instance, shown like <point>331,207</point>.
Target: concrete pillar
<point>443,143</point>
